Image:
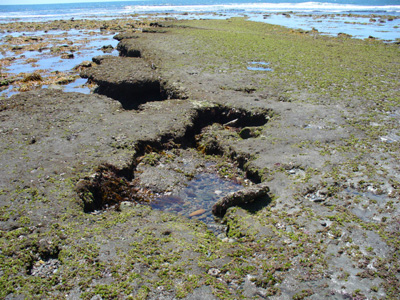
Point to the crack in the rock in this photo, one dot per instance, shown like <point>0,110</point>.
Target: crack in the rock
<point>110,185</point>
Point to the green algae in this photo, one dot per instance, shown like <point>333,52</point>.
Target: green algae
<point>326,67</point>
<point>309,68</point>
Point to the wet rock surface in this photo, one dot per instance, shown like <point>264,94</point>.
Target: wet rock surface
<point>80,172</point>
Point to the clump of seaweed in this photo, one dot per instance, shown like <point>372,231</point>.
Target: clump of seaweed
<point>32,77</point>
<point>107,188</point>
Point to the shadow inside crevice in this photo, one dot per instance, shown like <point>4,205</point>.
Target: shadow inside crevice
<point>257,205</point>
<point>131,96</point>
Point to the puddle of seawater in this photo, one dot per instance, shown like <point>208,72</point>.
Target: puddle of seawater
<point>77,86</point>
<point>371,211</point>
<point>390,138</point>
<point>8,92</point>
<point>258,66</point>
<point>200,194</point>
<point>332,24</point>
<point>6,54</point>
<point>46,61</point>
<point>90,46</point>
<point>367,195</point>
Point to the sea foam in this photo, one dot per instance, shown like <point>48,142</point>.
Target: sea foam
<point>264,7</point>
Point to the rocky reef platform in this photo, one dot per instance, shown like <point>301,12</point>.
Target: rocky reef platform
<point>190,174</point>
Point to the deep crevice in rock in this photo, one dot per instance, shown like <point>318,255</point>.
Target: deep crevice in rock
<point>130,80</point>
<point>132,95</point>
<point>110,186</point>
<point>254,176</point>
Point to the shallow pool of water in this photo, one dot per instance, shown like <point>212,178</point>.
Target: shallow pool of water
<point>53,62</point>
<point>331,24</point>
<point>196,199</point>
<point>369,206</point>
<point>8,92</point>
<point>77,86</point>
<point>258,66</point>
<point>46,62</point>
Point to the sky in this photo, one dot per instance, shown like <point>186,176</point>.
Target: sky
<point>15,2</point>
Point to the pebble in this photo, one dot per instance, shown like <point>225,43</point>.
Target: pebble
<point>326,223</point>
<point>197,212</point>
<point>316,198</point>
<point>214,272</point>
<point>229,240</point>
<point>125,205</point>
<point>45,268</point>
<point>67,56</point>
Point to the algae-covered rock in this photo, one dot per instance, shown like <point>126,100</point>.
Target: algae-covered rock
<point>249,132</point>
<point>32,77</point>
<point>328,125</point>
<point>127,47</point>
<point>109,186</point>
<point>4,82</point>
<point>241,223</point>
<point>67,56</point>
<point>107,48</point>
<point>126,35</point>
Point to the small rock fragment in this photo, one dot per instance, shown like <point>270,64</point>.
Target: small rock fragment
<point>214,272</point>
<point>67,56</point>
<point>107,49</point>
<point>197,212</point>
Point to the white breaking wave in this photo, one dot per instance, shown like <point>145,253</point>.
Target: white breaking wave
<point>263,7</point>
<point>231,9</point>
<point>52,16</point>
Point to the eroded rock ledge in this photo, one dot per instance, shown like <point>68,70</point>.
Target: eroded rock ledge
<point>131,81</point>
<point>241,197</point>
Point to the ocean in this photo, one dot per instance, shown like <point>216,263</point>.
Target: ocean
<point>124,8</point>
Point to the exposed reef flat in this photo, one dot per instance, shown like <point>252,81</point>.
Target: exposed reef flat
<point>313,141</point>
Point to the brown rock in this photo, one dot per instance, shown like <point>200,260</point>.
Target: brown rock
<point>197,212</point>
